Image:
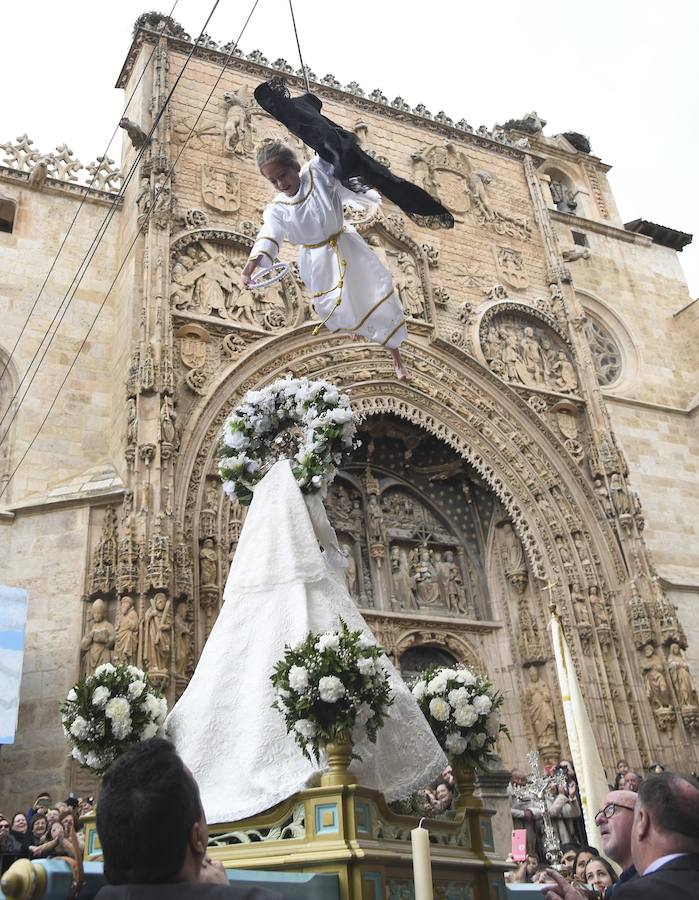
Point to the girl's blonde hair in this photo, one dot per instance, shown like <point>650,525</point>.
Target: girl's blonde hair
<point>274,150</point>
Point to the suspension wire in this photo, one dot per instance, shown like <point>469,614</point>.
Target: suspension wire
<point>77,212</point>
<point>132,245</point>
<point>92,249</point>
<point>298,44</point>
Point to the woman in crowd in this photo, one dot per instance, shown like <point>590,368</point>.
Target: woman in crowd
<point>39,831</point>
<point>582,858</point>
<point>599,874</point>
<point>19,830</point>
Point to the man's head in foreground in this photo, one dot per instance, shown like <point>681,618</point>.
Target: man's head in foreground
<point>615,822</point>
<point>150,818</point>
<point>666,818</point>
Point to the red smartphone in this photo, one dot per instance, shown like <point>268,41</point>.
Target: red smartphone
<point>519,844</point>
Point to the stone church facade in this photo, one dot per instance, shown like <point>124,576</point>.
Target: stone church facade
<point>554,359</point>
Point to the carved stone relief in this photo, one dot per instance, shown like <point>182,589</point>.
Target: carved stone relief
<point>606,355</point>
<point>539,704</point>
<point>205,280</point>
<point>509,265</point>
<point>220,188</point>
<point>98,640</point>
<point>526,351</point>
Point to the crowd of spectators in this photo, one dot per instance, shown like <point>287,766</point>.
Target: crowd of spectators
<point>582,865</point>
<point>45,830</point>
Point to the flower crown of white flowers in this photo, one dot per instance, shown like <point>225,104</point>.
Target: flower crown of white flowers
<point>250,438</point>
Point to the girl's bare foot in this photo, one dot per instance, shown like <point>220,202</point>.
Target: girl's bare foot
<point>354,336</point>
<point>402,371</point>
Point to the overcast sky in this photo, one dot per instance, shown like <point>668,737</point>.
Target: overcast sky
<point>621,71</point>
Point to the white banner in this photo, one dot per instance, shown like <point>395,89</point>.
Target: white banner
<point>592,781</point>
<point>13,617</point>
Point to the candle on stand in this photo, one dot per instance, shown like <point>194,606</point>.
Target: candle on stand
<point>422,867</point>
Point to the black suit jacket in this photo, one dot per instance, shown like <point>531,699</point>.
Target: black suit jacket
<point>676,880</point>
<point>183,891</point>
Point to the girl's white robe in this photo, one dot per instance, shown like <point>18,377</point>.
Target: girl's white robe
<point>369,303</point>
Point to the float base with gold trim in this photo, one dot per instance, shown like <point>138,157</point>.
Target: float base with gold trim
<point>350,832</point>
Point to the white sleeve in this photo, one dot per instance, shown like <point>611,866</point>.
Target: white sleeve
<point>270,237</point>
<point>361,201</point>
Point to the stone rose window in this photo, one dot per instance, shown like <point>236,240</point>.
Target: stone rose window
<point>606,353</point>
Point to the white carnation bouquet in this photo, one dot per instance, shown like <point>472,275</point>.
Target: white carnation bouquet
<point>332,687</point>
<point>322,418</point>
<point>463,712</point>
<point>106,713</point>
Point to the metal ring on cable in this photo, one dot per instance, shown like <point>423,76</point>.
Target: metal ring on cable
<point>269,275</point>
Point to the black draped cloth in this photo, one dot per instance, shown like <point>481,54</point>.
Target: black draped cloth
<point>353,166</point>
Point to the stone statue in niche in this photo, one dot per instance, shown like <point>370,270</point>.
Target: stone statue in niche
<point>425,578</point>
<point>126,635</point>
<point>579,605</point>
<point>603,497</point>
<point>653,669</point>
<point>514,560</point>
<point>403,594</point>
<point>452,584</point>
<point>351,571</point>
<point>620,497</point>
<point>377,530</point>
<point>540,705</point>
<point>98,641</point>
<point>209,514</point>
<point>530,353</point>
<point>237,130</point>
<point>681,678</point>
<point>157,640</point>
<point>208,564</point>
<point>599,611</point>
<point>182,631</point>
<point>409,287</point>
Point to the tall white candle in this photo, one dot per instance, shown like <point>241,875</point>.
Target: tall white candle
<point>422,866</point>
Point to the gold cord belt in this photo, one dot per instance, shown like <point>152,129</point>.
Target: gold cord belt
<point>342,266</point>
<point>331,240</point>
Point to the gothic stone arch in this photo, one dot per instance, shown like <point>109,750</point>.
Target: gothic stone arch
<point>565,535</point>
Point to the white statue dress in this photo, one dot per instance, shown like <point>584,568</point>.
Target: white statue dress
<point>279,588</point>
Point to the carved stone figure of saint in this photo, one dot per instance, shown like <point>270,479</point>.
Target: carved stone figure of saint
<point>578,600</point>
<point>548,356</point>
<point>98,640</point>
<point>126,635</point>
<point>167,423</point>
<point>603,496</point>
<point>620,498</point>
<point>564,553</point>
<point>566,379</point>
<point>510,358</point>
<point>208,515</point>
<point>403,592</point>
<point>540,707</point>
<point>681,678</point>
<point>157,639</point>
<point>213,285</point>
<point>455,592</point>
<point>599,611</point>
<point>408,285</point>
<point>351,571</point>
<point>356,517</point>
<point>377,533</point>
<point>208,564</point>
<point>425,579</point>
<point>513,557</point>
<point>653,670</point>
<point>182,630</point>
<point>531,356</point>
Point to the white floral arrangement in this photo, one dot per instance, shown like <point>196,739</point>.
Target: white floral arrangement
<point>332,687</point>
<point>463,712</point>
<point>106,713</point>
<point>316,408</point>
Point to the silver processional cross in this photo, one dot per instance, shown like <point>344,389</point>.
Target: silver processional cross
<point>536,788</point>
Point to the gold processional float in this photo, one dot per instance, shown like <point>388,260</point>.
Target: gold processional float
<point>337,841</point>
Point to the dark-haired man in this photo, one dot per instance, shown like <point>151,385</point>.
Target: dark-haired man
<point>665,840</point>
<point>154,834</point>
